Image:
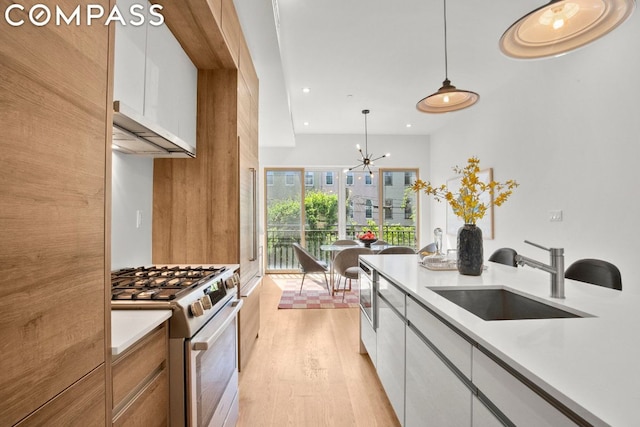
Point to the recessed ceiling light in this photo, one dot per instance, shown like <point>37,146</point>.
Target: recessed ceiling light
<point>306,123</point>
<point>306,90</point>
<point>408,125</point>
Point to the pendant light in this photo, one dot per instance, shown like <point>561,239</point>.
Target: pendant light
<point>448,97</point>
<point>563,25</point>
<point>367,160</point>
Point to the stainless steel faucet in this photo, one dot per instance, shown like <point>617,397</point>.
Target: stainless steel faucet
<point>556,269</point>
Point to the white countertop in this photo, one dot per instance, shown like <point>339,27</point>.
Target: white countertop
<point>590,364</point>
<point>128,326</point>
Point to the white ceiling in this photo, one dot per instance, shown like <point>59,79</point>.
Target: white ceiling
<point>380,55</point>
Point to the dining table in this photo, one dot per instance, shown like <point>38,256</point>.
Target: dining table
<point>334,249</point>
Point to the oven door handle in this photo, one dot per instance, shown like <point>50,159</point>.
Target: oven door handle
<point>206,338</point>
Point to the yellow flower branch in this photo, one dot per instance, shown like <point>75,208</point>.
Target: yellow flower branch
<point>466,204</point>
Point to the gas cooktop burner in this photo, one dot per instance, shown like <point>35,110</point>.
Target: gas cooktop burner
<point>159,283</point>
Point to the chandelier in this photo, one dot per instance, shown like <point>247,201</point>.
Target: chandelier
<point>367,161</point>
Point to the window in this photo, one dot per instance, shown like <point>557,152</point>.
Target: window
<point>289,179</point>
<point>349,178</point>
<point>368,209</point>
<point>368,180</point>
<point>388,208</point>
<point>350,210</point>
<point>308,179</point>
<point>388,179</point>
<point>409,177</point>
<point>270,178</point>
<point>328,179</point>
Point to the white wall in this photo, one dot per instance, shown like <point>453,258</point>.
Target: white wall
<point>131,190</point>
<point>568,130</point>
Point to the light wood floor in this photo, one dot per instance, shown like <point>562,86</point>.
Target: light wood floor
<point>306,371</point>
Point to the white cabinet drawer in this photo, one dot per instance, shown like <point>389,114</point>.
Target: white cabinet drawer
<point>394,296</point>
<point>453,346</point>
<point>433,391</point>
<point>390,354</point>
<point>368,337</point>
<point>514,399</point>
<point>481,415</point>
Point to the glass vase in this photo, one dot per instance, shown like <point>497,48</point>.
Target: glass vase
<point>470,252</point>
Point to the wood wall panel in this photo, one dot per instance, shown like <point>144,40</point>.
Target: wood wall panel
<point>247,69</point>
<point>53,110</point>
<point>196,25</point>
<point>203,226</point>
<point>231,28</point>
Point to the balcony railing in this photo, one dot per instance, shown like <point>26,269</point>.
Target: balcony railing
<point>280,254</point>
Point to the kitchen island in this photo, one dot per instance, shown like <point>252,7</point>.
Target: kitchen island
<point>585,367</point>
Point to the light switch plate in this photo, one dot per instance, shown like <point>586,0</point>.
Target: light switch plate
<point>555,216</point>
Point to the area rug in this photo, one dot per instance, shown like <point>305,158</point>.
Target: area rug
<point>314,292</point>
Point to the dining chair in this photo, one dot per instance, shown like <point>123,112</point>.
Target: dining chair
<point>310,264</point>
<point>506,256</point>
<point>345,242</point>
<point>397,250</point>
<point>345,264</point>
<point>431,248</point>
<point>595,272</point>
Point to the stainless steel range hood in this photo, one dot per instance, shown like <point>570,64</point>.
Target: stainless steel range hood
<point>135,134</point>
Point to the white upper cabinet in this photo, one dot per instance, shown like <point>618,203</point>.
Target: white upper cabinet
<point>129,62</point>
<point>171,82</point>
<point>153,75</point>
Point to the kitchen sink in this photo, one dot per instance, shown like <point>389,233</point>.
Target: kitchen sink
<point>501,304</point>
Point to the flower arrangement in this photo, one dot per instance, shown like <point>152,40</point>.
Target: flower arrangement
<point>466,204</point>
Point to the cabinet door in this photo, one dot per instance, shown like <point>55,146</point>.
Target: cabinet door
<point>390,355</point>
<point>433,391</point>
<point>482,416</point>
<point>80,405</point>
<point>249,320</point>
<point>129,59</point>
<point>170,85</point>
<point>54,162</point>
<point>248,146</point>
<point>514,399</point>
<point>368,337</point>
<point>455,348</point>
<point>150,406</point>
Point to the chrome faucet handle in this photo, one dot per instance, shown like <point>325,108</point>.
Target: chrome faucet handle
<point>537,246</point>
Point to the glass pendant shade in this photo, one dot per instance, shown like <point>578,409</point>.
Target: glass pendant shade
<point>563,25</point>
<point>447,98</point>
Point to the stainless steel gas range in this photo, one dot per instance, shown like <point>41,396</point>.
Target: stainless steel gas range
<point>203,344</point>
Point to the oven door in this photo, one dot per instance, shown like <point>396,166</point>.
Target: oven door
<point>367,281</point>
<point>212,383</point>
